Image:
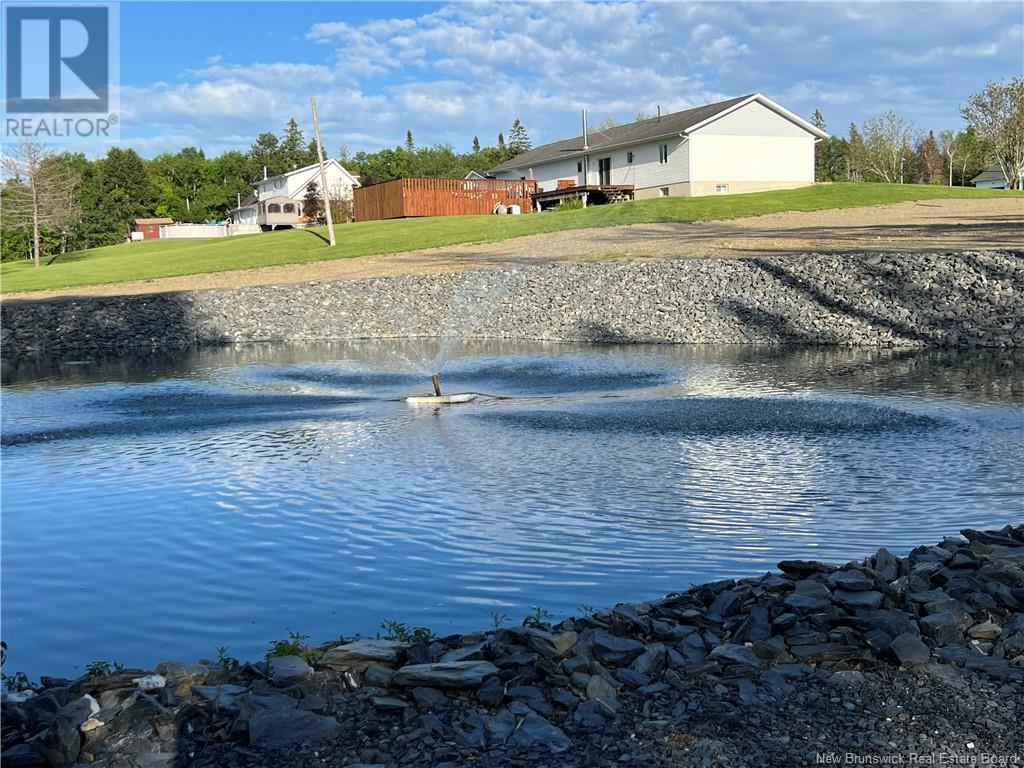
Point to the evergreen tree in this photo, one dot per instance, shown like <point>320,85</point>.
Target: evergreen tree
<point>855,155</point>
<point>410,146</point>
<point>821,150</point>
<point>294,149</point>
<point>519,139</point>
<point>313,204</point>
<point>928,160</point>
<point>265,155</point>
<point>476,145</point>
<point>502,148</point>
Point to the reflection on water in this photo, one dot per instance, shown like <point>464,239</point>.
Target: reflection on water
<point>160,507</point>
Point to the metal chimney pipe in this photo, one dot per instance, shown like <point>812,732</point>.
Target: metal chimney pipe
<point>586,141</point>
<point>264,173</point>
<point>659,111</point>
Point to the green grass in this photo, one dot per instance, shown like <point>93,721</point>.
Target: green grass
<point>154,259</point>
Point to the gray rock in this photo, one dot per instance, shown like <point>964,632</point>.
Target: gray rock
<point>473,652</point>
<point>389,703</point>
<point>361,653</point>
<point>599,688</point>
<point>533,697</point>
<point>909,649</point>
<point>21,756</point>
<point>534,730</point>
<point>651,663</point>
<point>860,599</point>
<point>806,603</point>
<point>986,630</point>
<point>223,697</point>
<point>805,567</point>
<point>287,670</point>
<point>60,743</point>
<point>851,580</point>
<point>731,653</point>
<point>429,699</point>
<point>447,674</point>
<point>491,693</point>
<point>378,676</point>
<point>275,728</point>
<point>611,649</point>
<point>499,727</point>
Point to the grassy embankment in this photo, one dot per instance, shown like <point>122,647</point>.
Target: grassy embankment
<point>146,261</point>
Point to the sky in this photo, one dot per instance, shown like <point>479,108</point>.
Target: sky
<point>215,74</point>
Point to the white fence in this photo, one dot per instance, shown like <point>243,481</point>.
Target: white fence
<point>197,231</point>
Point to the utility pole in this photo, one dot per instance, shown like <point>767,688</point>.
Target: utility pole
<point>323,176</point>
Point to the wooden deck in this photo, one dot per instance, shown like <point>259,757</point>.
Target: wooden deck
<point>591,194</point>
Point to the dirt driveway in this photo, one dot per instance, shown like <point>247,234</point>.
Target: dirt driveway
<point>931,225</point>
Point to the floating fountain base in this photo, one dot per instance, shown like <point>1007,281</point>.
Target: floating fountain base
<point>463,397</point>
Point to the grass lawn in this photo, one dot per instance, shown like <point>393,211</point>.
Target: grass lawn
<point>145,261</point>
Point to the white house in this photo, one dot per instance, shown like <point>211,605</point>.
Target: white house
<point>745,144</point>
<point>277,201</point>
<point>993,178</point>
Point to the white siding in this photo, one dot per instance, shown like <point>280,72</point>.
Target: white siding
<point>644,171</point>
<point>651,173</point>
<point>752,158</point>
<point>752,145</point>
<point>754,119</point>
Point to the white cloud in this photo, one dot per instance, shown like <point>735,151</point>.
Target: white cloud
<point>471,68</point>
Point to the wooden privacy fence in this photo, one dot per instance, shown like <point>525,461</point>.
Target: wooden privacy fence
<point>440,197</point>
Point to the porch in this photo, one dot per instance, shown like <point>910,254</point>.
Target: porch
<point>590,194</point>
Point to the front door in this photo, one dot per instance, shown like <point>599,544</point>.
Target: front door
<point>604,171</point>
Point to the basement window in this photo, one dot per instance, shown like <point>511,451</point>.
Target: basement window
<point>721,188</point>
<point>663,153</point>
<point>663,192</point>
<point>579,167</point>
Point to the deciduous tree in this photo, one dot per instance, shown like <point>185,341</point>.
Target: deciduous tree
<point>40,194</point>
<point>997,115</point>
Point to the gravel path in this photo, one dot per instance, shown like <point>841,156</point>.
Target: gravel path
<point>934,225</point>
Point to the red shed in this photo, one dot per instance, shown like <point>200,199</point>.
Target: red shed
<point>150,228</point>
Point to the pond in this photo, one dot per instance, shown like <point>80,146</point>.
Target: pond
<point>159,507</point>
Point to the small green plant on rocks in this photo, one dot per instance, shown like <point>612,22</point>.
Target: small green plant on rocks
<point>587,610</point>
<point>497,618</point>
<point>400,633</point>
<point>103,668</point>
<point>295,645</point>
<point>539,619</point>
<point>227,663</point>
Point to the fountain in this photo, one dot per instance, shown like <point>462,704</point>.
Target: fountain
<point>475,296</point>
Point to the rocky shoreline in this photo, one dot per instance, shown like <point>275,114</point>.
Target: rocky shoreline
<point>915,660</point>
<point>973,299</point>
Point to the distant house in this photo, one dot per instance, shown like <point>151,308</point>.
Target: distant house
<point>475,175</point>
<point>277,201</point>
<point>745,144</point>
<point>993,178</point>
<point>149,229</point>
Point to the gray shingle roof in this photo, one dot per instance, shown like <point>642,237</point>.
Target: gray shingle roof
<point>630,133</point>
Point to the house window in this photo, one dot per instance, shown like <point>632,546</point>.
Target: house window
<point>289,208</point>
<point>663,192</point>
<point>629,157</point>
<point>721,188</point>
<point>663,153</point>
<point>579,166</point>
<point>273,208</point>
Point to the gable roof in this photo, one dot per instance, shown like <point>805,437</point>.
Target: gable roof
<point>315,168</point>
<point>158,220</point>
<point>648,130</point>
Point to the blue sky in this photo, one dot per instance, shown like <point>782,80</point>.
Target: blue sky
<point>215,74</point>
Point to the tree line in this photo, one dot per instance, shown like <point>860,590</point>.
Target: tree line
<point>66,202</point>
<point>889,148</point>
<point>56,203</point>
